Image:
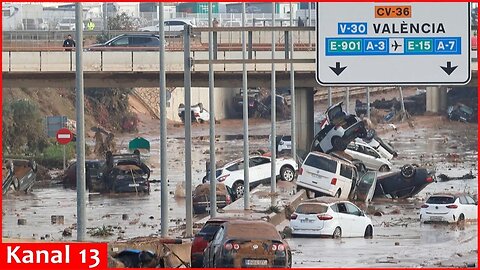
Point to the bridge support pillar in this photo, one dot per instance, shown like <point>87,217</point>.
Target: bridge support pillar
<point>304,124</point>
<point>436,99</point>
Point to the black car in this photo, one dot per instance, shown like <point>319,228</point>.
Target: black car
<point>143,42</point>
<point>461,112</point>
<point>126,173</point>
<point>407,182</point>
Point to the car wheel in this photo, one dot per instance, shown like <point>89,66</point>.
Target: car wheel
<point>384,168</point>
<point>407,171</point>
<point>338,194</point>
<point>337,233</point>
<point>287,173</point>
<point>368,232</point>
<point>239,189</point>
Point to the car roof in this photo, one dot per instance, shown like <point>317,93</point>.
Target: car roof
<point>240,159</point>
<point>336,158</point>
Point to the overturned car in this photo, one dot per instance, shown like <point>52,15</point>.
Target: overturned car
<point>338,130</point>
<point>18,175</point>
<point>118,174</point>
<point>201,197</point>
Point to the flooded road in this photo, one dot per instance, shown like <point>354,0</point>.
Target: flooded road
<point>399,240</point>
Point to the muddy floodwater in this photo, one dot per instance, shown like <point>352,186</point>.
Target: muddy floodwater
<point>399,239</point>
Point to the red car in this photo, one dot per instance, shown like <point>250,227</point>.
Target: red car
<point>203,238</point>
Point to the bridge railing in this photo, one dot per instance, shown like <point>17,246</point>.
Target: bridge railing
<point>225,38</point>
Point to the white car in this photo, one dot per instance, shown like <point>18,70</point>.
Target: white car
<point>67,24</point>
<point>199,114</point>
<point>449,208</point>
<point>172,25</point>
<point>283,143</point>
<point>370,157</point>
<point>338,130</point>
<point>330,217</point>
<point>322,174</point>
<point>259,172</point>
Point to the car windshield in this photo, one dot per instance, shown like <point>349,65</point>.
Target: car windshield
<point>441,200</point>
<point>287,138</point>
<point>311,208</point>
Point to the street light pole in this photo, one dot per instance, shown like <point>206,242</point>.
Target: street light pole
<point>80,117</point>
<point>163,129</point>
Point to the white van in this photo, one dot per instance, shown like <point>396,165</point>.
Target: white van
<point>324,174</point>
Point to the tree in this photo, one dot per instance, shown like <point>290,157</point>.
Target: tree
<point>23,130</point>
<point>121,22</point>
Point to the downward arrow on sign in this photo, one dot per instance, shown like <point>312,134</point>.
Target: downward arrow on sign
<point>449,69</point>
<point>337,69</point>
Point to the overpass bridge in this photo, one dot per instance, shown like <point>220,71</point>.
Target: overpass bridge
<point>45,68</point>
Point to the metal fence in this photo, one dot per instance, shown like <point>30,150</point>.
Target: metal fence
<point>225,38</point>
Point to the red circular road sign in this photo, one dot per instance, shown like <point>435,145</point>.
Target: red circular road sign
<point>64,136</point>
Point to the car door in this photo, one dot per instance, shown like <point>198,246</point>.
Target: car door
<point>472,207</point>
<point>366,187</point>
<point>357,219</point>
<point>120,42</point>
<point>375,158</point>
<point>347,222</point>
<point>261,169</point>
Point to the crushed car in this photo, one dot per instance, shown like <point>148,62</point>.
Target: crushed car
<point>253,100</point>
<point>93,175</point>
<point>462,113</point>
<point>405,183</point>
<point>369,156</point>
<point>125,173</point>
<point>201,197</point>
<point>199,113</point>
<point>18,175</point>
<point>338,130</point>
<point>247,243</point>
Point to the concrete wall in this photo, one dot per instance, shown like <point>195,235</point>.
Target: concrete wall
<point>141,61</point>
<point>223,99</point>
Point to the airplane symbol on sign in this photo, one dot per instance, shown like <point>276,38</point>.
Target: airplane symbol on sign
<point>395,45</point>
